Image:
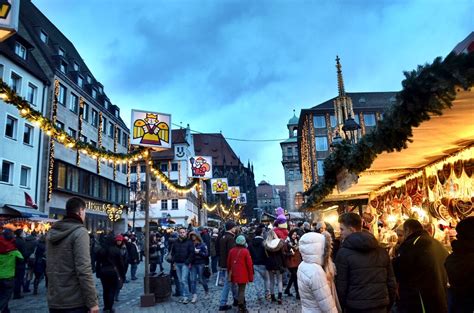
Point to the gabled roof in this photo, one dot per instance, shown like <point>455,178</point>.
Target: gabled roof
<point>216,146</point>
<point>178,136</point>
<point>361,100</point>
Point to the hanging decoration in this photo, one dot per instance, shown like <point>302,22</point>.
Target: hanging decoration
<point>233,193</point>
<point>200,167</point>
<point>172,186</point>
<point>128,165</point>
<point>115,150</point>
<point>54,113</point>
<point>79,128</point>
<point>219,186</point>
<point>99,138</point>
<point>151,129</point>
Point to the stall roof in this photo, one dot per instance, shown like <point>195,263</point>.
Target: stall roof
<point>434,139</point>
<point>21,211</point>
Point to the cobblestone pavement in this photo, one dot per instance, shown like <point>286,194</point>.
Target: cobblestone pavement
<point>129,300</point>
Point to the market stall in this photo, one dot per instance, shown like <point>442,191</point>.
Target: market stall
<point>28,219</point>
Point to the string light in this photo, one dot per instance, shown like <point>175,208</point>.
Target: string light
<point>79,130</point>
<point>51,142</point>
<point>171,185</point>
<point>99,139</point>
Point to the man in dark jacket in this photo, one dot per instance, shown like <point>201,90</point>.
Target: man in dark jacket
<point>259,259</point>
<point>226,243</point>
<point>460,268</point>
<point>71,285</point>
<point>21,264</point>
<point>133,257</point>
<point>420,272</point>
<point>365,281</point>
<point>182,251</point>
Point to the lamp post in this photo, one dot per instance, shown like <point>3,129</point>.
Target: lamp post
<point>350,129</point>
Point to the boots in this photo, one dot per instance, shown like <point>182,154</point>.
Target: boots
<point>242,308</point>
<point>288,292</point>
<point>280,301</point>
<point>273,298</point>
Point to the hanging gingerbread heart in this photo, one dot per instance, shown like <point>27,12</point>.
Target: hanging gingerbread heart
<point>458,168</point>
<point>447,170</point>
<point>468,167</point>
<point>441,177</point>
<point>432,181</point>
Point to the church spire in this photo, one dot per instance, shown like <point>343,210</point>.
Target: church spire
<point>340,80</point>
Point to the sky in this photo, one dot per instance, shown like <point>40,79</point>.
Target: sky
<point>242,67</point>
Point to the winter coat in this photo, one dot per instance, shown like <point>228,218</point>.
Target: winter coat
<point>133,253</point>
<point>226,243</point>
<point>420,272</point>
<point>40,257</point>
<point>206,239</point>
<point>68,267</point>
<point>240,265</point>
<point>201,256</point>
<point>313,286</point>
<point>8,262</point>
<point>257,251</point>
<point>365,279</point>
<point>183,251</point>
<point>109,262</point>
<point>292,255</point>
<point>282,233</point>
<point>212,249</point>
<point>274,251</point>
<point>460,269</point>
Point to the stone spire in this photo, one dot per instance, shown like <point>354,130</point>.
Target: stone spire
<point>340,80</point>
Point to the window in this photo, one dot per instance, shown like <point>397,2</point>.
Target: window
<point>80,81</point>
<point>44,37</point>
<point>143,168</point>
<point>75,66</point>
<point>356,118</point>
<point>104,125</point>
<point>106,104</point>
<point>124,168</point>
<point>290,174</point>
<point>95,118</point>
<point>94,93</point>
<point>61,52</point>
<point>63,67</point>
<point>133,169</point>
<point>174,167</point>
<point>289,151</point>
<point>333,120</point>
<point>164,204</point>
<point>10,127</point>
<point>1,71</point>
<point>321,143</point>
<point>174,204</point>
<point>319,121</point>
<point>60,125</point>
<point>25,176</point>
<point>85,112</point>
<point>61,178</point>
<point>7,171</point>
<point>369,119</point>
<point>101,90</point>
<point>28,135</point>
<point>83,138</point>
<point>111,130</point>
<point>32,92</point>
<point>124,139</point>
<point>119,136</point>
<point>93,143</point>
<point>163,187</point>
<point>62,95</point>
<point>73,103</point>
<point>164,167</point>
<point>320,164</point>
<point>16,82</point>
<point>71,132</point>
<point>20,50</point>
<point>89,79</point>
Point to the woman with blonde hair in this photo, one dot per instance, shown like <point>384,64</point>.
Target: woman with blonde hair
<point>275,265</point>
<point>316,275</point>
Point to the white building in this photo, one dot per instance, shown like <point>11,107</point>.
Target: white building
<point>20,141</point>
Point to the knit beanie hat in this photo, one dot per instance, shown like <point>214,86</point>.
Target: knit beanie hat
<point>229,225</point>
<point>465,229</point>
<point>240,240</point>
<point>119,238</point>
<point>279,211</point>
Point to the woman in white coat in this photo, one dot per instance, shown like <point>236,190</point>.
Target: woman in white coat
<point>316,275</point>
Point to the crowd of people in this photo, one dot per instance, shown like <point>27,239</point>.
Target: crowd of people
<point>348,273</point>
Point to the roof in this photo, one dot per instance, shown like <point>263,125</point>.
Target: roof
<point>7,48</point>
<point>361,100</point>
<point>216,146</point>
<point>178,136</point>
<point>294,120</point>
<point>290,140</point>
<point>465,46</point>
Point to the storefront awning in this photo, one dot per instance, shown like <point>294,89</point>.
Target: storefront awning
<point>21,211</point>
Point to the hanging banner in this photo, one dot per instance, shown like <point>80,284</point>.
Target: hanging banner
<point>233,193</point>
<point>151,130</point>
<point>242,199</point>
<point>200,167</point>
<point>219,185</point>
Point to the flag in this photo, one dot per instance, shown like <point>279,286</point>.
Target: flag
<point>29,201</point>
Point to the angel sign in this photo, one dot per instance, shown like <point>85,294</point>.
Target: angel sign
<point>151,129</point>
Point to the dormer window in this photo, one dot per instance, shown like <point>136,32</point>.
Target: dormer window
<point>101,90</point>
<point>89,79</point>
<point>94,93</point>
<point>61,52</point>
<point>63,67</point>
<point>76,67</point>
<point>393,99</point>
<point>80,81</point>
<point>106,104</point>
<point>44,37</point>
<point>20,50</point>
<point>362,100</point>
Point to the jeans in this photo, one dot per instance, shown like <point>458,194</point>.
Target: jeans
<point>19,279</point>
<point>6,290</point>
<point>214,260</point>
<point>260,280</point>
<point>174,274</point>
<point>183,275</point>
<point>271,281</point>
<point>110,287</point>
<point>197,276</point>
<point>225,290</point>
<point>133,270</point>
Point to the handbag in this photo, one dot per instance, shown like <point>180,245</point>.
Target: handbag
<point>229,274</point>
<point>206,272</point>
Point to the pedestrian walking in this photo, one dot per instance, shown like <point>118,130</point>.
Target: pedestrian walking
<point>133,257</point>
<point>460,269</point>
<point>292,261</point>
<point>20,269</point>
<point>226,243</point>
<point>110,269</point>
<point>71,285</point>
<point>9,258</point>
<point>154,252</point>
<point>240,267</point>
<point>275,265</point>
<point>40,263</point>
<point>421,275</point>
<point>120,243</point>
<point>365,281</point>
<point>183,252</point>
<point>259,260</point>
<point>30,246</point>
<point>173,273</point>
<point>213,250</point>
<point>199,260</point>
<point>316,275</point>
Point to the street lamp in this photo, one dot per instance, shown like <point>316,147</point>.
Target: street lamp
<point>350,129</point>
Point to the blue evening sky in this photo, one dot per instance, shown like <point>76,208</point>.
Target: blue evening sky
<point>241,67</point>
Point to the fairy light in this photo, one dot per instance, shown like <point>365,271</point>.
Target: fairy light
<point>115,151</point>
<point>79,128</point>
<point>51,142</point>
<point>99,138</point>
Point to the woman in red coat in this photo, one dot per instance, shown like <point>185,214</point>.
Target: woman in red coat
<point>240,267</point>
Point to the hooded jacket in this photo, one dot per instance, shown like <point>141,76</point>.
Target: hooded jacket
<point>421,275</point>
<point>365,279</point>
<point>226,243</point>
<point>202,256</point>
<point>70,280</point>
<point>257,251</point>
<point>182,251</point>
<point>274,252</point>
<point>313,285</point>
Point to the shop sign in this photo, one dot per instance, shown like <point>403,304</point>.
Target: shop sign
<point>100,207</point>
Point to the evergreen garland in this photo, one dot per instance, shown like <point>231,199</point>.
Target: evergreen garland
<point>428,90</point>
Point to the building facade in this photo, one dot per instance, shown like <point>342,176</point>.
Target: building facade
<point>84,111</point>
<point>325,122</point>
<point>20,141</point>
<point>291,166</point>
<point>268,197</point>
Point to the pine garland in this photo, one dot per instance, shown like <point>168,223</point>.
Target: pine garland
<point>427,91</point>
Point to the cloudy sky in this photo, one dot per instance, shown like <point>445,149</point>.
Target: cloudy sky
<point>241,67</point>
